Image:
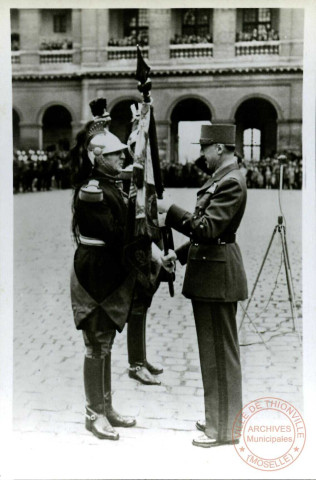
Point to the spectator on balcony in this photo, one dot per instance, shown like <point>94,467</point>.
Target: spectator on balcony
<point>190,39</point>
<point>267,34</point>
<point>263,35</point>
<point>254,34</point>
<point>56,44</point>
<point>130,41</point>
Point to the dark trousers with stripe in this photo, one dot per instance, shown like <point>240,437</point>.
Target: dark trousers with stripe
<point>220,365</point>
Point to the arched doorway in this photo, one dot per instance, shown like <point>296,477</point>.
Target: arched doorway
<point>256,121</point>
<point>16,129</point>
<point>56,126</point>
<point>121,116</point>
<point>186,118</point>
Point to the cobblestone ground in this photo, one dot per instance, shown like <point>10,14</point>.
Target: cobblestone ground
<point>48,351</point>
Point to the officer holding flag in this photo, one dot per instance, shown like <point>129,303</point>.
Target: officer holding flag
<point>102,284</point>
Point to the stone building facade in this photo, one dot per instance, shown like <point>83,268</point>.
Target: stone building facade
<point>243,66</point>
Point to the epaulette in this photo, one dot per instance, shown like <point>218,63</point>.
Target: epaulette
<point>91,193</point>
<point>212,188</point>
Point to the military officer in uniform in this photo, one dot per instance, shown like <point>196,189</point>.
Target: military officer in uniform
<point>215,279</point>
<point>102,287</point>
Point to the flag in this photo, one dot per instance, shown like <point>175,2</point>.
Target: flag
<point>142,223</point>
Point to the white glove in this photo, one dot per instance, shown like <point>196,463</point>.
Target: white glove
<point>169,261</point>
<point>164,204</point>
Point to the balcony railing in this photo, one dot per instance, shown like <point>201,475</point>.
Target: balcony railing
<point>195,50</point>
<point>128,53</point>
<point>257,48</point>
<point>55,56</point>
<point>15,58</point>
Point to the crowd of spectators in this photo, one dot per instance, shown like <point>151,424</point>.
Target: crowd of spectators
<point>264,173</point>
<point>129,41</point>
<point>189,39</point>
<point>44,170</point>
<point>55,44</point>
<point>264,35</point>
<point>41,170</point>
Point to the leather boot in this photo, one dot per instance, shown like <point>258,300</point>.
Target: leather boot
<point>140,373</point>
<point>140,369</point>
<point>153,369</point>
<point>115,419</point>
<point>96,421</point>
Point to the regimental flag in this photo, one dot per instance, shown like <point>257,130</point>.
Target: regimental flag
<point>142,225</point>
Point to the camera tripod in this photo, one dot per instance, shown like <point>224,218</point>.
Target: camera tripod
<point>281,229</point>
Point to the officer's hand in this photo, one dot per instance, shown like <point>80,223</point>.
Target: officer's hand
<point>169,261</point>
<point>164,204</point>
<point>162,219</point>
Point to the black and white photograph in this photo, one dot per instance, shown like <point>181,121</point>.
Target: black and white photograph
<point>158,218</point>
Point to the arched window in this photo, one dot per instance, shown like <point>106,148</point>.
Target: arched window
<point>252,116</point>
<point>189,110</point>
<point>252,144</point>
<point>56,125</point>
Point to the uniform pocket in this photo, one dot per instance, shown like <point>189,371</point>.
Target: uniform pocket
<point>205,275</point>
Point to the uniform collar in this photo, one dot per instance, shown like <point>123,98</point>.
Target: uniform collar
<point>222,171</point>
<point>104,176</point>
<point>218,175</point>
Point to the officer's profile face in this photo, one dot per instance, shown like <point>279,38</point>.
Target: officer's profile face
<point>114,160</point>
<point>210,152</point>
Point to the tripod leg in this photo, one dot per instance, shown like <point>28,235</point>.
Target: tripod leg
<point>289,281</point>
<point>256,329</point>
<point>257,279</point>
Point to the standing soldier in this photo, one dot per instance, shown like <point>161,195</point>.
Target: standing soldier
<point>139,367</point>
<point>215,279</point>
<point>102,286</point>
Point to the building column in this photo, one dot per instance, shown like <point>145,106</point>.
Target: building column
<point>103,26</point>
<point>76,35</point>
<point>224,33</point>
<point>285,27</point>
<point>89,36</point>
<point>290,136</point>
<point>297,33</point>
<point>159,41</point>
<point>31,135</point>
<point>75,128</point>
<point>30,19</point>
<point>163,132</point>
<point>85,99</point>
<point>291,31</point>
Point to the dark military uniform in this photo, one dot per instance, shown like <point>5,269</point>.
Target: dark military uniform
<point>102,288</point>
<point>215,280</point>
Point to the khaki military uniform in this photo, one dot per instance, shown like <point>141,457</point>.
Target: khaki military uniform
<point>215,281</point>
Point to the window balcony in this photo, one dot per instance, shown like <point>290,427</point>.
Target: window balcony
<point>270,47</point>
<point>125,53</point>
<point>55,56</point>
<point>15,58</point>
<point>194,50</point>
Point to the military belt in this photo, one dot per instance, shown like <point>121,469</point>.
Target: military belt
<point>93,242</point>
<point>217,241</point>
